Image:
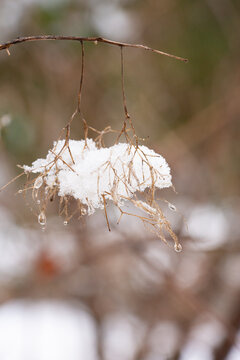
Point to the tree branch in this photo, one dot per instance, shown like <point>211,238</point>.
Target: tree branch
<point>20,40</point>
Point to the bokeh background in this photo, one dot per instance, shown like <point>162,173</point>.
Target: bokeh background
<point>77,291</point>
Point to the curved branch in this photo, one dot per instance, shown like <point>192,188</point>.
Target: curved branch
<point>20,40</point>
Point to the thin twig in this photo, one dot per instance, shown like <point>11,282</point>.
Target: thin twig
<point>81,79</point>
<point>123,87</point>
<point>105,210</point>
<point>57,156</point>
<point>20,40</point>
<point>11,181</point>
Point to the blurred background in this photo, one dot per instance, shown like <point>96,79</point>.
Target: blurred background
<point>77,291</point>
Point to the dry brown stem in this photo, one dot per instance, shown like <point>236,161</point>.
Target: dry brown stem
<point>20,40</point>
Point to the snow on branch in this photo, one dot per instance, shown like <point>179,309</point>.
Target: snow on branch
<point>116,172</point>
<point>92,176</point>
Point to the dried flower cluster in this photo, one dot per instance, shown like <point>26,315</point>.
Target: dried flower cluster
<point>92,174</point>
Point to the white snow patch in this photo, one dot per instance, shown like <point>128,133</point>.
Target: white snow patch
<point>115,173</point>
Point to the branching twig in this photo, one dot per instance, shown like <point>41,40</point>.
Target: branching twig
<point>20,40</point>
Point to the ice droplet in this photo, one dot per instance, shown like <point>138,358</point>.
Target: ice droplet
<point>65,223</point>
<point>38,202</point>
<point>172,207</point>
<point>42,219</point>
<point>20,191</point>
<point>38,182</point>
<point>178,247</point>
<point>83,211</point>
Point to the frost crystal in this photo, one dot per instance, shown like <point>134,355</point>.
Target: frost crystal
<point>93,175</point>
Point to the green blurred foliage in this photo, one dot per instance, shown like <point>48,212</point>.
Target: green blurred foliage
<point>19,137</point>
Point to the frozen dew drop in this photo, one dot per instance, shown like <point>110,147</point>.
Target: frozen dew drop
<point>38,182</point>
<point>172,207</point>
<point>38,202</point>
<point>83,211</point>
<point>65,223</point>
<point>178,247</point>
<point>20,191</point>
<point>42,219</point>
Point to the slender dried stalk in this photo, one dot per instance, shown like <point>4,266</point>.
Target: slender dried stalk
<point>20,40</point>
<point>11,181</point>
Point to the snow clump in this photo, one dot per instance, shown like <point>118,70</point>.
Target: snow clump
<point>81,170</point>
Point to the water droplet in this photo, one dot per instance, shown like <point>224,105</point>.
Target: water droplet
<point>20,191</point>
<point>83,211</point>
<point>178,247</point>
<point>42,218</point>
<point>38,182</point>
<point>38,202</point>
<point>65,223</point>
<point>172,207</point>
